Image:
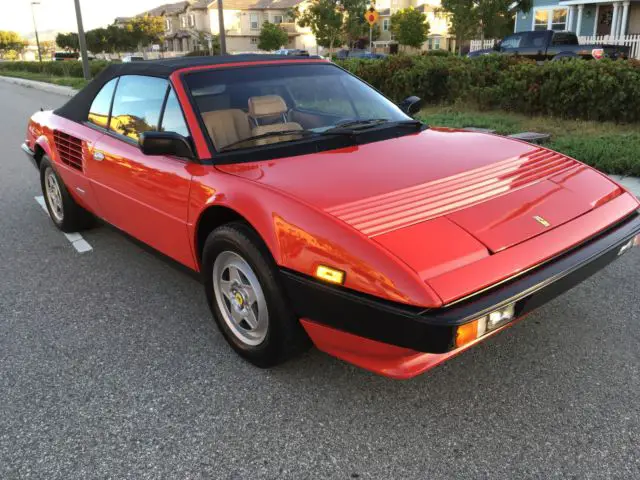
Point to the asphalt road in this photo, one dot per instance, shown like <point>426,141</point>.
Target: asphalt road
<point>110,367</point>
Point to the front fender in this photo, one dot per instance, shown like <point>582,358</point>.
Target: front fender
<point>301,237</point>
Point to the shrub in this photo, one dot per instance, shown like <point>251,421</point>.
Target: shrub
<point>590,90</point>
<point>54,69</point>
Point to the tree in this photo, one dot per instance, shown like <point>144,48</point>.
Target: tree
<point>483,18</point>
<point>410,27</point>
<point>98,40</point>
<point>10,41</point>
<point>145,30</point>
<point>324,18</point>
<point>67,41</point>
<point>272,37</point>
<point>356,28</point>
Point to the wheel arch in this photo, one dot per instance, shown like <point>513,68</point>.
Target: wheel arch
<point>211,218</point>
<point>41,148</point>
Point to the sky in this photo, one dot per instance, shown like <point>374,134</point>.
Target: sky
<point>60,15</point>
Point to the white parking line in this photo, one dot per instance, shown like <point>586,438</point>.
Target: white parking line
<point>79,243</point>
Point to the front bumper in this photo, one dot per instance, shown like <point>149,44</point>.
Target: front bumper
<point>434,331</point>
<point>30,154</point>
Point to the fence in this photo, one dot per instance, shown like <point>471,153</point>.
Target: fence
<point>481,44</point>
<point>631,41</point>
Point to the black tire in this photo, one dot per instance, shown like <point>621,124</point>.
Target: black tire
<point>285,337</point>
<point>73,217</point>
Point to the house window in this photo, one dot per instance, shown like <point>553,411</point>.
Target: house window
<point>183,21</point>
<point>253,21</point>
<point>277,19</point>
<point>192,20</point>
<point>167,24</point>
<point>385,24</point>
<point>254,40</point>
<point>550,19</point>
<point>436,44</point>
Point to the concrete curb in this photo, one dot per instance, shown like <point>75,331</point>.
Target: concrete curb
<point>46,87</point>
<point>630,183</point>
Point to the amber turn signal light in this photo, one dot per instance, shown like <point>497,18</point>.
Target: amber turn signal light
<point>331,275</point>
<point>467,333</point>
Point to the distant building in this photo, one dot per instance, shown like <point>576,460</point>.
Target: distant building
<point>186,25</point>
<point>121,21</point>
<point>243,21</point>
<point>439,37</point>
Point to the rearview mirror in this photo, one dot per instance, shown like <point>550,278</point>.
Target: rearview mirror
<point>410,105</point>
<point>165,143</point>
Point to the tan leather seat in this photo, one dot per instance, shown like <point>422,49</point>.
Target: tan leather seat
<point>273,109</point>
<point>227,126</point>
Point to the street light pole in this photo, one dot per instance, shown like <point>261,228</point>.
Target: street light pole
<point>35,28</point>
<point>83,43</point>
<point>221,36</point>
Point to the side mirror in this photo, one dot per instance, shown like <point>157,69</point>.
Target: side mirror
<point>165,143</point>
<point>410,105</point>
<point>496,46</point>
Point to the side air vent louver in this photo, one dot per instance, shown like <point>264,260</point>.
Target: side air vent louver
<point>69,149</point>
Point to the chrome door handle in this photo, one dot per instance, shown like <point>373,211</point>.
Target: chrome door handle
<point>98,156</point>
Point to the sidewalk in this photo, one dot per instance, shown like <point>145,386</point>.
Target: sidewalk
<point>631,183</point>
<point>45,87</point>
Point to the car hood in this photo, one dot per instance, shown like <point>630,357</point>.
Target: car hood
<point>441,198</point>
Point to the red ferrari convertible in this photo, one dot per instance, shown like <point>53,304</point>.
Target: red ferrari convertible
<point>319,212</point>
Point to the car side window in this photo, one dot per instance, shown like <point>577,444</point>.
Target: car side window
<point>511,42</point>
<point>172,118</point>
<point>137,105</point>
<point>99,111</point>
<point>534,40</point>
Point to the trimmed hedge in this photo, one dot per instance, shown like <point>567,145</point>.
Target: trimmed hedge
<point>591,90</point>
<point>69,68</point>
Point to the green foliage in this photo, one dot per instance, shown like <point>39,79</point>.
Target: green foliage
<point>10,41</point>
<point>484,18</point>
<point>410,27</point>
<point>579,89</point>
<point>68,41</point>
<point>53,69</point>
<point>324,18</point>
<point>272,37</point>
<point>610,147</point>
<point>145,30</point>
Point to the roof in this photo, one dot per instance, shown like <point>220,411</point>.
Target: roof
<point>77,108</point>
<point>256,4</point>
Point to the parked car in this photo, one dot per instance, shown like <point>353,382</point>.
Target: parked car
<point>292,52</point>
<point>65,56</point>
<point>132,58</point>
<point>551,45</point>
<point>341,54</point>
<point>318,211</point>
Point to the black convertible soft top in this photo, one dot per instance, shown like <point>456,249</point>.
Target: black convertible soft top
<point>77,108</point>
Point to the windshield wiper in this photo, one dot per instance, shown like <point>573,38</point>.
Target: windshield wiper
<point>302,133</point>
<point>357,126</point>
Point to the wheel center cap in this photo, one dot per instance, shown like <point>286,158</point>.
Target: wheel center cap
<point>239,299</point>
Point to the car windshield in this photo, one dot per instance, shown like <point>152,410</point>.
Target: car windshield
<point>248,107</point>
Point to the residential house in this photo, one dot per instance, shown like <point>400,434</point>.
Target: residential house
<point>438,39</point>
<point>585,17</point>
<point>121,21</point>
<point>186,25</point>
<point>243,20</point>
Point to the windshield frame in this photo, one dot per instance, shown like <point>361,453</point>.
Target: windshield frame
<point>303,145</point>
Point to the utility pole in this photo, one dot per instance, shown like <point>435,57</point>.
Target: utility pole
<point>83,43</point>
<point>221,35</point>
<point>35,28</point>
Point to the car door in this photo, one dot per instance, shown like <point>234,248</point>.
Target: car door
<point>533,45</point>
<point>145,196</point>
